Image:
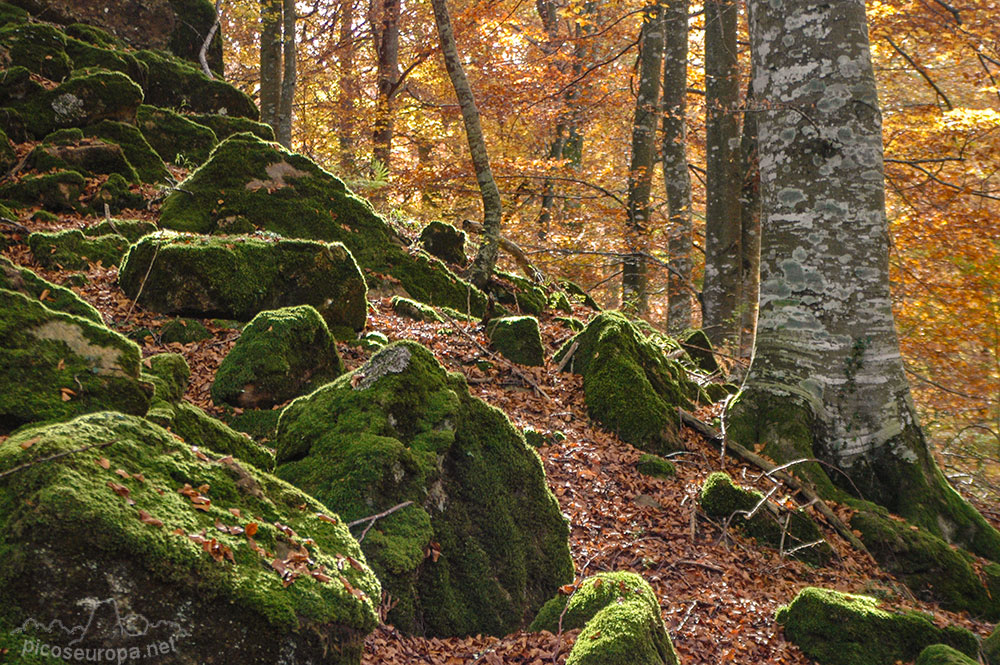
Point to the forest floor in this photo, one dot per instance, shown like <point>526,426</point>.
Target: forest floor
<point>718,591</point>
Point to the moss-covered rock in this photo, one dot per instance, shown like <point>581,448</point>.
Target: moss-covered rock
<point>260,424</point>
<point>80,101</point>
<point>38,47</point>
<point>93,35</point>
<point>72,250</point>
<point>461,559</point>
<point>175,138</point>
<point>87,55</point>
<point>518,293</point>
<point>225,126</point>
<point>9,14</point>
<point>58,298</point>
<point>770,525</point>
<point>130,229</point>
<point>560,301</point>
<point>115,195</point>
<point>173,83</point>
<point>576,293</point>
<point>518,339</point>
<point>655,466</point>
<point>629,384</point>
<point>88,156</point>
<point>412,309</point>
<point>57,365</point>
<point>444,241</point>
<point>621,622</point>
<point>926,564</point>
<point>194,21</point>
<point>229,562</point>
<point>238,276</point>
<point>842,629</point>
<point>8,157</point>
<point>59,190</point>
<point>699,349</point>
<point>571,323</point>
<point>262,184</point>
<point>991,647</point>
<point>147,162</point>
<point>281,354</point>
<point>183,331</point>
<point>942,654</point>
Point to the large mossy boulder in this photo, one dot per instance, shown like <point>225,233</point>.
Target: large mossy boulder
<point>225,126</point>
<point>235,277</point>
<point>169,373</point>
<point>630,385</point>
<point>90,157</point>
<point>57,366</point>
<point>59,190</point>
<point>175,138</point>
<point>281,354</point>
<point>518,339</point>
<point>793,531</point>
<point>172,83</point>
<point>621,622</point>
<point>836,628</point>
<point>929,566</point>
<point>227,563</point>
<point>942,654</point>
<point>248,181</point>
<point>146,161</point>
<point>72,250</point>
<point>483,544</point>
<point>57,298</point>
<point>991,647</point>
<point>80,101</point>
<point>444,241</point>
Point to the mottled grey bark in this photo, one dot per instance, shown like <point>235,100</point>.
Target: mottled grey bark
<point>640,177</point>
<point>486,258</point>
<point>827,379</point>
<point>270,60</point>
<point>721,290</point>
<point>386,37</point>
<point>283,131</point>
<point>749,227</point>
<point>676,177</point>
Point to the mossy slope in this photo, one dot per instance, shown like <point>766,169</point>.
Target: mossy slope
<point>462,559</point>
<point>111,522</point>
<point>250,181</point>
<point>235,277</point>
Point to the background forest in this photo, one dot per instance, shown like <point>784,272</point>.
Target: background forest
<point>557,83</point>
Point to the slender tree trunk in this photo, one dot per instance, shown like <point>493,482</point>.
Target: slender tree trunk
<point>348,85</point>
<point>283,131</point>
<point>270,61</point>
<point>387,46</point>
<point>486,258</point>
<point>749,226</point>
<point>676,177</point>
<point>827,379</point>
<point>721,291</point>
<point>640,180</point>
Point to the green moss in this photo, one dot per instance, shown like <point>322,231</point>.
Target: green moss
<point>629,384</point>
<point>175,138</point>
<point>620,617</point>
<point>261,425</point>
<point>523,295</point>
<point>535,439</point>
<point>942,654</point>
<point>82,100</point>
<point>560,301</point>
<point>173,83</point>
<point>183,331</point>
<point>238,276</point>
<point>225,126</point>
<point>46,353</point>
<point>10,14</point>
<point>991,648</point>
<point>655,466</point>
<point>572,323</point>
<point>518,339</point>
<point>262,184</point>
<point>8,157</point>
<point>444,241</point>
<point>63,527</point>
<point>115,195</point>
<point>926,564</point>
<point>146,161</point>
<point>16,84</point>
<point>58,298</point>
<point>281,354</point>
<point>841,629</point>
<point>85,55</point>
<point>723,500</point>
<point>94,35</point>
<point>194,21</point>
<point>698,347</point>
<point>461,559</point>
<point>72,250</point>
<point>38,47</point>
<point>412,309</point>
<point>717,392</point>
<point>57,191</point>
<point>169,373</point>
<point>579,295</point>
<point>130,229</point>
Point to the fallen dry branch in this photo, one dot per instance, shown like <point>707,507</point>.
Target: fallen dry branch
<point>516,253</point>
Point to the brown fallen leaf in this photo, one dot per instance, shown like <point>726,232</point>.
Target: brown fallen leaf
<point>30,442</point>
<point>104,463</point>
<point>146,518</point>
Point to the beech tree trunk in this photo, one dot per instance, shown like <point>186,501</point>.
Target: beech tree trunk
<point>486,258</point>
<point>640,178</point>
<point>348,84</point>
<point>827,379</point>
<point>387,47</point>
<point>749,227</point>
<point>283,131</point>
<point>270,60</point>
<point>721,290</point>
<point>676,177</point>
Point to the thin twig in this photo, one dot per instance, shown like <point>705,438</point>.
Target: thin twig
<point>568,357</point>
<point>371,519</point>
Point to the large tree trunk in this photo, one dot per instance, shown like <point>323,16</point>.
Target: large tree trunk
<point>721,291</point>
<point>348,85</point>
<point>676,177</point>
<point>387,47</point>
<point>283,131</point>
<point>827,379</point>
<point>640,177</point>
<point>486,258</point>
<point>749,226</point>
<point>270,60</point>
